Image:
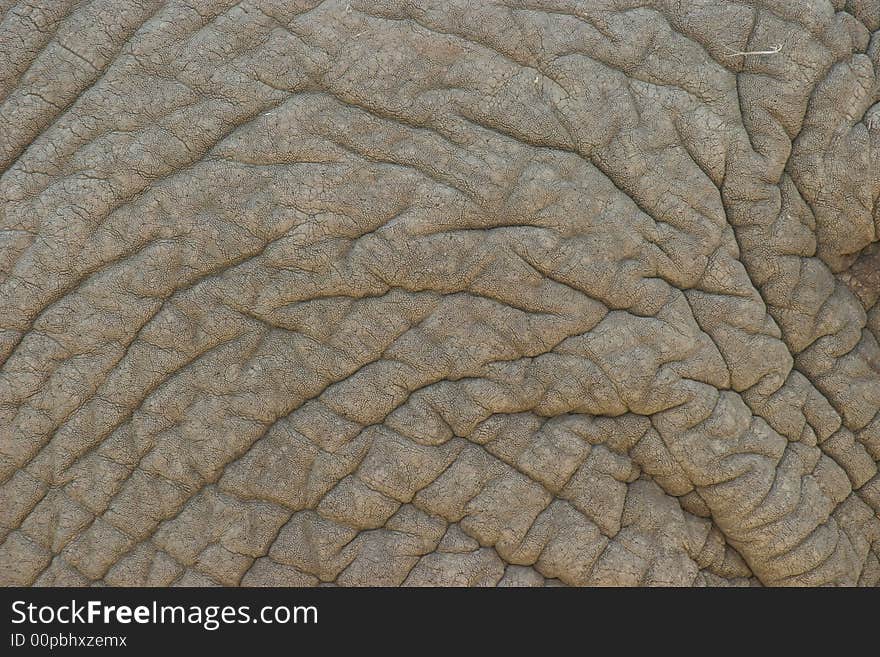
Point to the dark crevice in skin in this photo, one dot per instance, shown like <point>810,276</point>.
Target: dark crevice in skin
<point>863,276</point>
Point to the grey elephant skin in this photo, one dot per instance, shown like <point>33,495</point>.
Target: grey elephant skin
<point>404,292</point>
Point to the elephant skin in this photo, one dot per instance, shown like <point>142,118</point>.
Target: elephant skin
<point>439,292</point>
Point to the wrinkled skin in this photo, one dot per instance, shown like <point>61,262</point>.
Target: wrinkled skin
<point>440,292</point>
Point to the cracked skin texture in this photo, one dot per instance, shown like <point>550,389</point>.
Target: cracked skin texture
<point>398,292</point>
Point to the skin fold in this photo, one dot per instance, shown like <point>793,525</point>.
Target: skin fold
<point>410,292</point>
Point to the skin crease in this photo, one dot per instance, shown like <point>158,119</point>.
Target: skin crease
<point>404,292</point>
